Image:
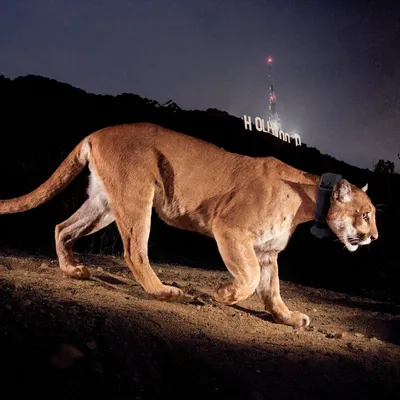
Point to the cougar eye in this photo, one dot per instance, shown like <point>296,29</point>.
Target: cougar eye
<point>365,216</point>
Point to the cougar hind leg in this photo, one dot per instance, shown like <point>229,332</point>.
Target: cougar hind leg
<point>92,216</point>
<point>133,222</point>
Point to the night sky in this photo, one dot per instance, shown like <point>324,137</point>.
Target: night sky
<point>336,63</point>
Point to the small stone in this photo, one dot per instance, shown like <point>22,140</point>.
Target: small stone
<point>100,269</point>
<point>314,310</point>
<point>198,307</point>
<point>257,396</point>
<point>339,335</point>
<point>44,266</point>
<point>375,339</point>
<point>91,345</point>
<point>98,368</point>
<point>359,335</point>
<point>309,328</point>
<point>160,270</point>
<point>3,268</point>
<point>65,356</point>
<point>73,310</point>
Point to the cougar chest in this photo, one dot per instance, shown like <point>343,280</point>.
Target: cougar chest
<point>273,237</point>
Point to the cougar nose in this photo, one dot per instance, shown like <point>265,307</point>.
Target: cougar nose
<point>374,237</point>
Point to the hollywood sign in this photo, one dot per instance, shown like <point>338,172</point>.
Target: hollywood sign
<point>265,126</point>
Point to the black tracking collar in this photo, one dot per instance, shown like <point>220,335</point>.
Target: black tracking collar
<point>320,229</point>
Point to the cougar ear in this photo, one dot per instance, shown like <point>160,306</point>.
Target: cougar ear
<point>365,187</point>
<point>342,191</point>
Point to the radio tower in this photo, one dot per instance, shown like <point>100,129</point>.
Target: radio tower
<point>274,120</point>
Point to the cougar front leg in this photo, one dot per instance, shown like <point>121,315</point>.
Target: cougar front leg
<point>269,291</point>
<point>240,259</point>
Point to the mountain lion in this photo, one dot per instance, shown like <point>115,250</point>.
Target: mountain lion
<point>250,206</point>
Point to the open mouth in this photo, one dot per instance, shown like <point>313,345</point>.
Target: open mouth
<point>351,243</point>
<point>354,241</point>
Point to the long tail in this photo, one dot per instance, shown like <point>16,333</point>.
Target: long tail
<point>63,175</point>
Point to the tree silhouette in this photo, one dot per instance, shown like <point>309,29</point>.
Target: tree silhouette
<point>384,167</point>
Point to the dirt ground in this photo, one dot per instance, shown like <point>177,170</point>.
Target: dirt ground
<point>64,338</point>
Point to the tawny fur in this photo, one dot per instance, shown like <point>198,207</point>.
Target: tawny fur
<point>250,206</point>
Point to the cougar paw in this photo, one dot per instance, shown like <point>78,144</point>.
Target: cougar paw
<point>226,294</point>
<point>83,272</point>
<point>77,272</point>
<point>168,293</point>
<point>296,320</point>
